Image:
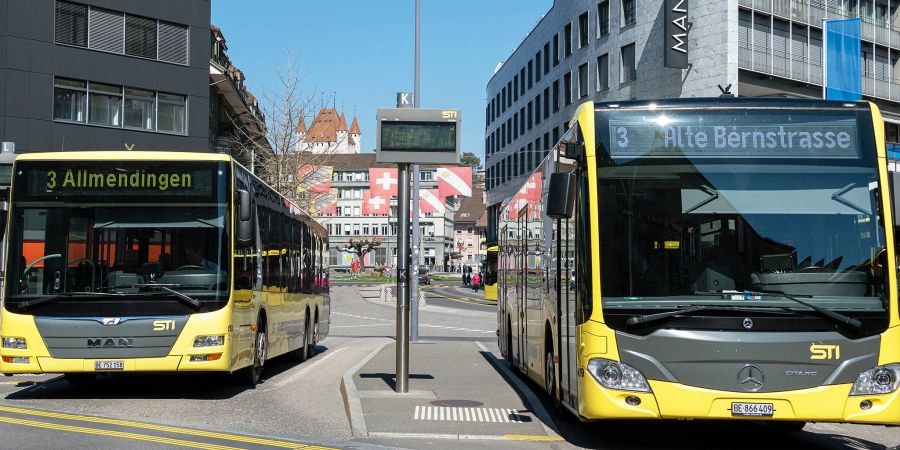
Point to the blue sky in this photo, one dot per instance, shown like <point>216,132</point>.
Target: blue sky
<point>361,51</point>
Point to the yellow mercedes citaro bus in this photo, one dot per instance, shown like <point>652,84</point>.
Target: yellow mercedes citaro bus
<point>489,269</point>
<point>156,262</point>
<point>708,259</point>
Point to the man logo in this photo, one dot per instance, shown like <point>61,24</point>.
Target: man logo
<point>110,342</point>
<point>107,321</point>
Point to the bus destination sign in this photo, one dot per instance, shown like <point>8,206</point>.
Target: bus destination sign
<point>659,136</point>
<point>117,182</point>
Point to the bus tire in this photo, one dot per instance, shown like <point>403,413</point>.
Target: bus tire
<point>509,342</point>
<point>80,379</point>
<point>253,373</point>
<point>786,426</point>
<point>299,354</point>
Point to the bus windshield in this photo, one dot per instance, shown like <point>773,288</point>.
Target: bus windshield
<point>106,250</point>
<point>768,215</point>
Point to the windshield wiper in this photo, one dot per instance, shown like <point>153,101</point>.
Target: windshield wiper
<point>168,288</point>
<point>835,317</point>
<point>60,296</point>
<point>647,318</point>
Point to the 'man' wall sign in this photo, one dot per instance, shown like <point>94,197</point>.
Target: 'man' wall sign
<point>676,46</point>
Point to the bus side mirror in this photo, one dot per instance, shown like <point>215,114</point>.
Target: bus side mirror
<point>561,195</point>
<point>894,182</point>
<point>245,235</point>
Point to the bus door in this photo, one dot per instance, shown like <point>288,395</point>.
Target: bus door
<point>521,256</point>
<point>568,357</point>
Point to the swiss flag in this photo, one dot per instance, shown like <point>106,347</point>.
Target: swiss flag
<point>455,181</point>
<point>431,201</point>
<point>383,182</point>
<point>533,188</point>
<point>375,203</point>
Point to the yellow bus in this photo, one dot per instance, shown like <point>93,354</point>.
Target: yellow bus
<point>156,262</point>
<point>708,259</point>
<point>489,269</point>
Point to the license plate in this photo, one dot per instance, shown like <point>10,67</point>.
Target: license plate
<point>109,365</point>
<point>752,409</point>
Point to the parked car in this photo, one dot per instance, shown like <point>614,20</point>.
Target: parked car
<point>424,276</point>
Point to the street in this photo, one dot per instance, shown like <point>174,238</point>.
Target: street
<point>302,404</point>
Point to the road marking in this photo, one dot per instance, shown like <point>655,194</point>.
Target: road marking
<point>390,321</point>
<point>530,437</point>
<point>111,433</point>
<point>455,414</point>
<point>306,369</point>
<point>366,325</point>
<point>162,428</point>
<point>456,299</point>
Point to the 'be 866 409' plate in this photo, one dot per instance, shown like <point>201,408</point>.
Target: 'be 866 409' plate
<point>752,409</point>
<point>109,365</point>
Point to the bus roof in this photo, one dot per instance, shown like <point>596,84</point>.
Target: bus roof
<point>121,155</point>
<point>735,102</point>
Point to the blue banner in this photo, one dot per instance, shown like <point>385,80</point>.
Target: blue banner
<point>842,60</point>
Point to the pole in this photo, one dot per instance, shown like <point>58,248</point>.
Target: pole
<point>416,234</point>
<point>402,376</point>
<point>824,58</point>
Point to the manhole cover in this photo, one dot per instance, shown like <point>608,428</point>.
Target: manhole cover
<point>458,403</point>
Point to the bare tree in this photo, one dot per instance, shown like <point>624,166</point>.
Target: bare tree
<point>362,247</point>
<point>275,154</point>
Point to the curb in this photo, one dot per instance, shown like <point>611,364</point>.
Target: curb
<point>533,402</point>
<point>352,404</point>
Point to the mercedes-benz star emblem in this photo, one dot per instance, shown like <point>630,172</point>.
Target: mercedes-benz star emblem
<point>751,378</point>
<point>748,323</point>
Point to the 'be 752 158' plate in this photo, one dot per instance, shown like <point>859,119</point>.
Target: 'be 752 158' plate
<point>751,409</point>
<point>109,365</point>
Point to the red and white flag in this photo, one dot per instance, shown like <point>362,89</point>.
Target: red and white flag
<point>323,203</point>
<point>314,178</point>
<point>454,181</point>
<point>375,203</point>
<point>430,201</point>
<point>383,182</point>
<point>532,188</point>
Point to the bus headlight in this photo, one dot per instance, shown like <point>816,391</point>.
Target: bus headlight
<point>880,380</point>
<point>615,375</point>
<point>209,341</point>
<point>17,343</point>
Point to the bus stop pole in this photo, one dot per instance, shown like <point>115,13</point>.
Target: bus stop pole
<point>401,379</point>
<point>416,234</point>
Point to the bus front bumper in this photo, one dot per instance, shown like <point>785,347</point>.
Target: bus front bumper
<point>171,363</point>
<point>676,401</point>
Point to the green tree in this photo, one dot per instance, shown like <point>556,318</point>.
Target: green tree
<point>469,159</point>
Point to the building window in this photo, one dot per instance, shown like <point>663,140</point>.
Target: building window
<point>537,67</point>
<point>546,58</point>
<point>522,81</point>
<point>603,72</point>
<point>105,102</point>
<point>628,13</point>
<point>567,85</point>
<point>522,121</point>
<point>171,113</point>
<point>516,126</point>
<point>555,49</point>
<point>537,109</point>
<point>556,96</point>
<point>530,114</point>
<point>583,29</point>
<point>139,109</point>
<point>583,80</point>
<point>70,100</point>
<point>140,37</point>
<point>71,24</point>
<point>628,70</point>
<point>105,31</point>
<point>516,91</point>
<point>426,175</point>
<point>530,73</point>
<point>546,102</point>
<point>173,42</point>
<point>602,19</point>
<point>567,31</point>
<point>356,211</point>
<point>337,227</point>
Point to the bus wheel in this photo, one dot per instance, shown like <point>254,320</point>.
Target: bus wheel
<point>81,378</point>
<point>509,344</point>
<point>787,426</point>
<point>260,347</point>
<point>299,354</point>
<point>550,375</point>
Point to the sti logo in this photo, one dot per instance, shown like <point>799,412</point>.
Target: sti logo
<point>449,115</point>
<point>824,351</point>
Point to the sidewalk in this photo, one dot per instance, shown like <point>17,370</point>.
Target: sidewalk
<point>457,390</point>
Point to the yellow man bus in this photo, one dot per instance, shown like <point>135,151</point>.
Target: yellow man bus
<point>708,258</point>
<point>157,262</point>
<point>489,269</point>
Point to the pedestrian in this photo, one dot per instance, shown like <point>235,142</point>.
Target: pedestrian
<point>476,280</point>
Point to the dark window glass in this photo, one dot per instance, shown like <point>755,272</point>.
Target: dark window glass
<point>105,104</point>
<point>70,100</point>
<point>515,91</point>
<point>530,73</point>
<point>628,12</point>
<point>555,49</point>
<point>546,102</point>
<point>537,67</point>
<point>71,23</point>
<point>629,73</point>
<point>546,58</point>
<point>567,85</point>
<point>140,37</point>
<point>602,19</point>
<point>602,72</point>
<point>537,109</point>
<point>556,96</point>
<point>583,29</point>
<point>583,80</point>
<point>567,31</point>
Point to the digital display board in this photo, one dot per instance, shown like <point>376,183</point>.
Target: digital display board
<point>418,136</point>
<point>678,133</point>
